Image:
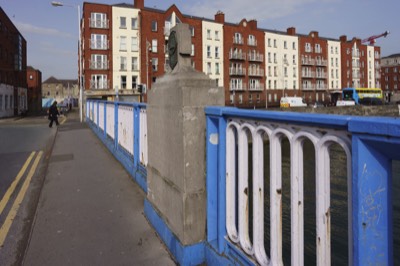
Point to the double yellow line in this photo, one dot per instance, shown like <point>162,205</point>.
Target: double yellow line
<point>18,200</point>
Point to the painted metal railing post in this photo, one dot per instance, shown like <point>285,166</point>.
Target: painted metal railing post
<point>216,184</point>
<point>116,106</point>
<point>136,136</point>
<point>105,120</point>
<point>372,213</point>
<point>98,115</point>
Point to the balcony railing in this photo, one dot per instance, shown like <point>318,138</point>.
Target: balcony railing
<point>321,62</point>
<point>99,45</point>
<point>237,40</point>
<point>308,74</point>
<point>99,23</point>
<point>307,61</point>
<point>237,88</point>
<point>251,42</point>
<point>100,85</point>
<point>256,87</point>
<point>307,87</point>
<point>256,57</point>
<point>237,55</point>
<point>320,75</point>
<point>256,72</point>
<point>100,65</point>
<point>237,71</point>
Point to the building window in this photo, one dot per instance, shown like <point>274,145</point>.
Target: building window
<point>99,82</point>
<point>217,35</point>
<point>134,82</point>
<point>98,20</point>
<point>154,64</point>
<point>308,47</point>
<point>216,52</point>
<point>98,41</point>
<point>237,38</point>
<point>275,43</point>
<point>217,68</point>
<point>134,44</point>
<point>294,45</point>
<point>251,40</point>
<point>269,42</point>
<point>123,82</point>
<point>154,25</point>
<point>122,22</point>
<point>122,43</point>
<point>285,44</point>
<point>122,63</point>
<point>208,51</point>
<point>134,24</point>
<point>98,61</point>
<point>209,34</point>
<point>208,68</point>
<point>154,45</point>
<point>192,53</point>
<point>135,65</point>
<point>191,28</point>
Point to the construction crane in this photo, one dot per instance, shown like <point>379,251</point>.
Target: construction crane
<point>373,38</point>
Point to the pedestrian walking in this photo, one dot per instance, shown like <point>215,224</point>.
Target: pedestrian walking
<point>53,114</point>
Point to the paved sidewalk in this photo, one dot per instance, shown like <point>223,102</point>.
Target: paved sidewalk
<point>90,211</point>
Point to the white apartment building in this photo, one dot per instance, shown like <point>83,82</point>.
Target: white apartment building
<point>334,65</point>
<point>125,51</point>
<point>213,57</point>
<point>282,62</point>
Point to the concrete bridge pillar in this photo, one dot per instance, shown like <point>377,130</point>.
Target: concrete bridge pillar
<point>176,141</point>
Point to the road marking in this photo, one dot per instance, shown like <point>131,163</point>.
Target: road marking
<point>14,209</point>
<point>11,189</point>
<point>63,121</point>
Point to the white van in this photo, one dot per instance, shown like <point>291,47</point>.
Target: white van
<point>292,102</point>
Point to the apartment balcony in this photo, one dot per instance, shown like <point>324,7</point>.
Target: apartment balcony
<point>99,45</point>
<point>238,87</point>
<point>251,42</point>
<point>256,72</point>
<point>237,71</point>
<point>320,62</point>
<point>100,85</point>
<point>307,61</point>
<point>99,23</point>
<point>255,57</point>
<point>98,65</point>
<point>237,55</point>
<point>308,74</point>
<point>320,75</point>
<point>308,87</point>
<point>256,87</point>
<point>321,87</point>
<point>237,40</point>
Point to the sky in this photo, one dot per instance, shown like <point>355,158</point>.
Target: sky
<point>52,32</point>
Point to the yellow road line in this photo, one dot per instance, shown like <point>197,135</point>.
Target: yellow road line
<point>14,209</point>
<point>63,121</point>
<point>11,189</point>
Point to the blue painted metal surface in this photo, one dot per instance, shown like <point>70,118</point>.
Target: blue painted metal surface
<point>375,143</point>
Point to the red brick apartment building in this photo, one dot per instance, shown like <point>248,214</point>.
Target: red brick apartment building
<point>34,79</point>
<point>125,49</point>
<point>391,75</point>
<point>13,85</point>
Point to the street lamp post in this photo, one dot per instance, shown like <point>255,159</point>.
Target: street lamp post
<point>57,4</point>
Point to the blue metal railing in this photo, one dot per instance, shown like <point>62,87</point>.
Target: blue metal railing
<point>375,142</point>
<point>118,125</point>
<point>371,145</point>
